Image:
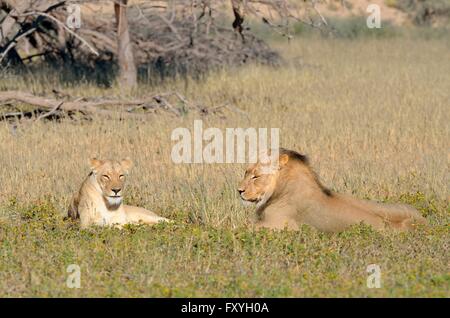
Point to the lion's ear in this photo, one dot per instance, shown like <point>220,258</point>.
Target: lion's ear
<point>126,164</point>
<point>94,163</point>
<point>283,160</point>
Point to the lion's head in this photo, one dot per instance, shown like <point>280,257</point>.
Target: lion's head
<point>260,180</point>
<point>111,176</point>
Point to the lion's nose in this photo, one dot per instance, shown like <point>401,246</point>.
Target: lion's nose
<point>240,191</point>
<point>117,190</point>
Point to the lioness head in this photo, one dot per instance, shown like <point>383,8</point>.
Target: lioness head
<point>260,180</point>
<point>110,176</point>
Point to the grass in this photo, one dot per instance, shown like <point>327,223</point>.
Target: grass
<point>371,113</point>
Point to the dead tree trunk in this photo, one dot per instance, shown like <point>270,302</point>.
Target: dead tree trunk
<point>127,67</point>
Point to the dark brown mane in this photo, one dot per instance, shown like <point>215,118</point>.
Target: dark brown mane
<point>294,155</point>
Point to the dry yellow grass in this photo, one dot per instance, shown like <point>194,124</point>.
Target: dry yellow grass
<point>371,114</point>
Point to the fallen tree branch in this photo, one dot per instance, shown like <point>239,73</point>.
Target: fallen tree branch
<point>50,106</point>
<point>87,107</point>
<point>51,112</point>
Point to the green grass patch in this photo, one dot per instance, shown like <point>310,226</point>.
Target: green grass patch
<point>192,260</point>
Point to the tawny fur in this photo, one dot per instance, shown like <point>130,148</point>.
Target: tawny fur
<point>99,200</point>
<point>291,194</point>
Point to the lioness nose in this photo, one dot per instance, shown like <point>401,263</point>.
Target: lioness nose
<point>240,191</point>
<point>115,191</point>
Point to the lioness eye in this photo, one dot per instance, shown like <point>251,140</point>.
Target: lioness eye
<point>121,176</point>
<point>105,177</point>
<point>254,177</point>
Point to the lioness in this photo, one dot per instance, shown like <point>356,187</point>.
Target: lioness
<point>288,193</point>
<point>99,200</point>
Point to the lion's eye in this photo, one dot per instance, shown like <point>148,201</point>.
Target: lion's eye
<point>105,177</point>
<point>255,177</point>
<point>121,176</point>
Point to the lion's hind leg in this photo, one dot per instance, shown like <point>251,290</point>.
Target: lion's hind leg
<point>140,215</point>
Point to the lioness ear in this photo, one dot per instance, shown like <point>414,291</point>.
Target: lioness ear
<point>94,163</point>
<point>126,164</point>
<point>283,160</point>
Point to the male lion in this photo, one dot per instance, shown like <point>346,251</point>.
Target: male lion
<point>288,193</point>
<point>99,200</point>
